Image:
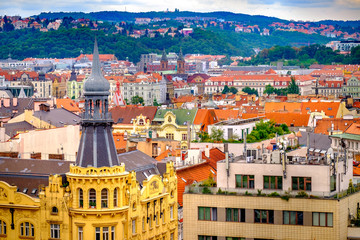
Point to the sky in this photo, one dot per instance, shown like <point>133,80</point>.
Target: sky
<point>306,10</point>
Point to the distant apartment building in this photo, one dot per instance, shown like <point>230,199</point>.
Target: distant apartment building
<point>149,87</point>
<point>274,198</point>
<point>258,82</point>
<point>352,88</point>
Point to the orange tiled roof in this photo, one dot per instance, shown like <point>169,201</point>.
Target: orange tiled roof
<point>119,140</point>
<point>325,125</point>
<point>188,175</point>
<point>353,129</point>
<point>282,107</point>
<point>215,156</point>
<point>226,114</point>
<point>68,104</point>
<point>205,117</point>
<point>290,119</point>
<point>184,99</point>
<point>356,171</point>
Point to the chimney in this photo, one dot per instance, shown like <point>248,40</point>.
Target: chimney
<point>207,151</point>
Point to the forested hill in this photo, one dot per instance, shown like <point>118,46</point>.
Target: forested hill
<point>65,43</point>
<point>118,16</point>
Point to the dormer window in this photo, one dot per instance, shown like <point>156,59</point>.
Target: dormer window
<point>141,122</point>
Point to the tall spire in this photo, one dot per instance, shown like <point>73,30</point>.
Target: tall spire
<point>97,147</point>
<point>96,84</point>
<point>181,57</point>
<point>164,57</point>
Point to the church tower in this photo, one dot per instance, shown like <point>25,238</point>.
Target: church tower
<point>97,147</point>
<point>181,63</point>
<point>164,62</point>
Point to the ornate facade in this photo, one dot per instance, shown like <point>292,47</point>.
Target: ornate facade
<point>97,199</point>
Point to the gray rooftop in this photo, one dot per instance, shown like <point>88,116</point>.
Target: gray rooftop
<point>58,117</point>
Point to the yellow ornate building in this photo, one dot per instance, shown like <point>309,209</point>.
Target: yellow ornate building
<point>176,124</point>
<point>97,199</point>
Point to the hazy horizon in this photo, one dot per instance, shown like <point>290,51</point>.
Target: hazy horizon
<point>304,10</point>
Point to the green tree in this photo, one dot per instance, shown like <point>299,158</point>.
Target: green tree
<point>225,90</point>
<point>137,100</point>
<point>269,89</point>
<point>250,91</point>
<point>293,88</point>
<point>155,103</point>
<point>217,134</point>
<point>233,90</point>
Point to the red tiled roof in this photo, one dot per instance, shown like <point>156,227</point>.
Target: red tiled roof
<point>120,142</point>
<point>130,112</point>
<point>325,125</point>
<point>290,119</point>
<point>205,117</point>
<point>68,104</point>
<point>188,175</point>
<point>353,129</point>
<point>226,114</point>
<point>184,99</point>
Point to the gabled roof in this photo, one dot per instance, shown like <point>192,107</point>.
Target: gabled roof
<point>290,119</point>
<point>183,116</point>
<point>68,104</point>
<point>226,114</point>
<point>125,114</point>
<point>58,117</point>
<point>326,125</point>
<point>139,162</point>
<point>205,117</point>
<point>187,175</point>
<point>353,129</point>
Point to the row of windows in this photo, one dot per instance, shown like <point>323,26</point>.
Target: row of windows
<point>104,198</point>
<point>27,230</point>
<point>321,219</point>
<point>273,182</point>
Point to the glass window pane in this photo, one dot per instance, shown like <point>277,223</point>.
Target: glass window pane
<point>236,215</point>
<point>201,213</point>
<point>238,180</point>
<point>207,213</point>
<point>279,179</point>
<point>271,216</point>
<point>245,182</point>
<point>272,182</point>
<point>301,184</point>
<point>308,184</point>
<point>263,216</point>
<point>293,218</point>
<point>257,215</point>
<point>294,183</point>
<point>329,219</point>
<point>228,214</point>
<point>214,214</point>
<point>300,217</point>
<point>266,182</point>
<point>315,219</point>
<point>242,215</point>
<point>286,217</point>
<point>322,219</point>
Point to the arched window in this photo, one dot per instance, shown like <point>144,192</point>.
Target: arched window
<point>81,198</point>
<point>141,122</point>
<point>54,210</point>
<point>92,198</point>
<point>27,229</point>
<point>104,198</point>
<point>2,228</point>
<point>115,197</point>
